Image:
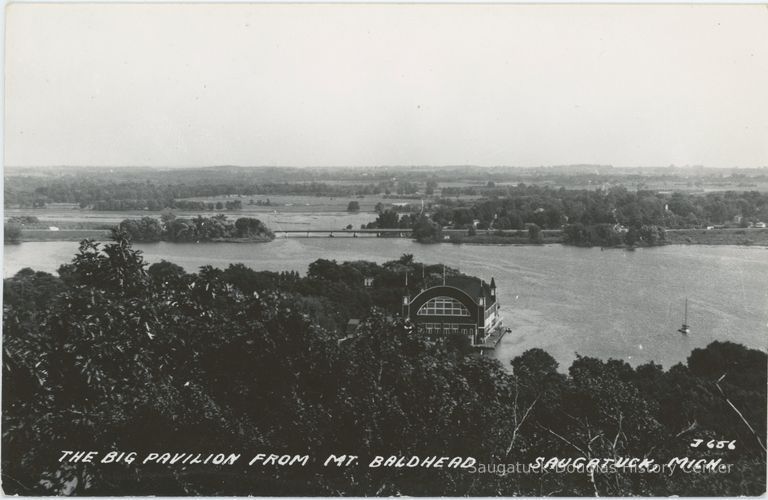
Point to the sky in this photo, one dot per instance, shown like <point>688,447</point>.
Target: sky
<point>367,85</point>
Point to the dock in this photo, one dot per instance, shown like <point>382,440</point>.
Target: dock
<point>492,340</point>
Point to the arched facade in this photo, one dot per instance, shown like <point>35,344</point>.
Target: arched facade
<point>443,306</point>
<point>467,307</point>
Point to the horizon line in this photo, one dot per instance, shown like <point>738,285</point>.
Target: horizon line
<point>412,166</point>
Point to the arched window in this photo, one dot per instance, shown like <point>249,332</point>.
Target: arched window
<point>443,306</point>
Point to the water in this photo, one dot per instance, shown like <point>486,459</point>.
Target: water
<point>565,300</point>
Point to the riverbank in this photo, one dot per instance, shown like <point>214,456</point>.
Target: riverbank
<point>38,235</point>
<point>721,236</point>
<point>63,235</point>
<point>736,237</point>
<point>730,236</point>
<point>506,238</point>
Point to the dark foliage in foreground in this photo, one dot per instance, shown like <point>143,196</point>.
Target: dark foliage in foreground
<point>112,356</point>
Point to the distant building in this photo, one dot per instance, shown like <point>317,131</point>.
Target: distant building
<point>463,305</point>
<point>368,282</point>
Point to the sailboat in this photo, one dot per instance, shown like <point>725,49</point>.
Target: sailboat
<point>685,329</point>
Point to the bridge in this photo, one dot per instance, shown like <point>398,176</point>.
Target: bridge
<point>391,233</point>
<point>349,233</point>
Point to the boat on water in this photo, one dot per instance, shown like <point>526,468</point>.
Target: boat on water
<point>685,329</point>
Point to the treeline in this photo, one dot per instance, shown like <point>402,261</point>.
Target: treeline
<point>100,194</point>
<point>428,230</point>
<point>514,207</point>
<point>157,205</point>
<point>424,229</point>
<point>113,355</point>
<point>392,219</point>
<point>607,235</point>
<point>588,218</point>
<point>216,228</point>
<point>502,206</point>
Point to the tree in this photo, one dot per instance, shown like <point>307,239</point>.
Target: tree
<point>146,229</point>
<point>388,219</point>
<point>632,236</point>
<point>31,291</point>
<point>249,227</point>
<point>534,233</point>
<point>462,217</point>
<point>166,217</point>
<point>652,235</point>
<point>427,231</point>
<point>166,273</point>
<point>353,206</point>
<point>114,357</point>
<point>12,233</point>
<point>406,259</point>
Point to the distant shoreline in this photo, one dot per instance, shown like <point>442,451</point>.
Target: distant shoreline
<point>735,237</point>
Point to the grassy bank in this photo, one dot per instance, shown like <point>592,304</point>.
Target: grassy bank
<point>82,234</point>
<point>63,234</point>
<point>505,238</point>
<point>729,236</point>
<point>250,239</point>
<point>746,237</point>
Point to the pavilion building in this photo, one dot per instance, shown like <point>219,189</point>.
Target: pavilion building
<point>460,305</point>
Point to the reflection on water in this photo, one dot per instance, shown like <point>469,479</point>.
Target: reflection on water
<point>625,305</point>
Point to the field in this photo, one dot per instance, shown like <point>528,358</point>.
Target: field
<point>284,212</point>
<point>300,203</point>
<point>77,224</point>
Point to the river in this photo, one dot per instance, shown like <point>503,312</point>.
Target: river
<point>565,300</point>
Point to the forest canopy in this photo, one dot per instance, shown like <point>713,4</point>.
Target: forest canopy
<point>114,354</point>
